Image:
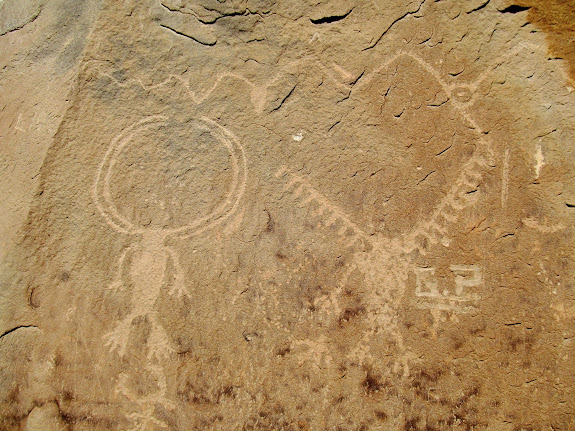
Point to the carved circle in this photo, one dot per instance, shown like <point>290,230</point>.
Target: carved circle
<point>108,208</point>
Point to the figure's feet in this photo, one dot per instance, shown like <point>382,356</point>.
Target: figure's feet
<point>142,420</point>
<point>115,286</point>
<point>117,340</point>
<point>168,404</point>
<point>179,288</point>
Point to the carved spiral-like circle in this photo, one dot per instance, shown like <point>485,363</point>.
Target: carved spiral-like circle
<point>107,208</point>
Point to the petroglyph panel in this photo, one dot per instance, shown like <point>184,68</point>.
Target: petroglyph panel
<point>254,215</point>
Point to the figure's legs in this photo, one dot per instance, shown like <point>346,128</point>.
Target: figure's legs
<point>142,420</point>
<point>158,343</point>
<point>179,285</point>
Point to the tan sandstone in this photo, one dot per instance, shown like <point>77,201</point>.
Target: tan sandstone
<point>287,215</point>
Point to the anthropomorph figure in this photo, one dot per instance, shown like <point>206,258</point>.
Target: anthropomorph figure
<point>143,266</point>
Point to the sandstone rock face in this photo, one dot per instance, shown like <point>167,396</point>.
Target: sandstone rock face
<point>287,215</point>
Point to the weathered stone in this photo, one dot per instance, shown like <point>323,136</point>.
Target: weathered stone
<point>251,215</point>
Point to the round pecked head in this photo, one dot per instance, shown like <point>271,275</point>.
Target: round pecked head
<point>170,177</point>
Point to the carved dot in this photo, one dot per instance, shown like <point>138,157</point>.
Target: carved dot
<point>250,336</point>
<point>462,94</point>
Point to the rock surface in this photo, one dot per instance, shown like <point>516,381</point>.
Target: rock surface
<point>269,215</point>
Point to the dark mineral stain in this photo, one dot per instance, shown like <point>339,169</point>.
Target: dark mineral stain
<point>200,400</point>
<point>475,331</point>
<point>64,276</point>
<point>303,425</point>
<point>463,422</point>
<point>372,383</point>
<point>411,425</point>
<point>349,292</point>
<point>524,428</point>
<point>348,314</point>
<point>273,419</point>
<point>520,343</point>
<point>183,353</point>
<point>72,420</point>
<point>67,396</point>
<point>382,416</point>
<point>67,418</point>
<point>189,395</point>
<point>340,263</point>
<point>474,391</point>
<point>11,422</point>
<point>557,19</point>
<point>14,395</point>
<point>226,392</point>
<point>458,343</point>
<point>339,400</point>
<point>282,351</point>
<point>58,359</point>
<point>423,380</point>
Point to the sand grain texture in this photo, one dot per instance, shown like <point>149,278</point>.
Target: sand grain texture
<point>281,215</point>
